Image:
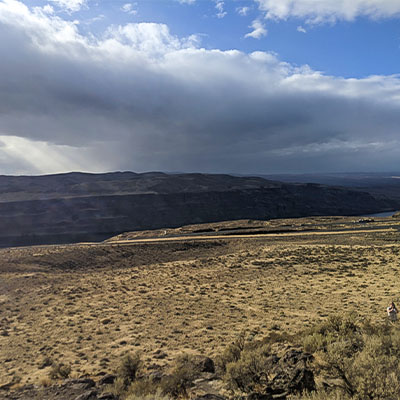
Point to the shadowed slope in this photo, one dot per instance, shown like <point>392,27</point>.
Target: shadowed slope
<point>85,207</point>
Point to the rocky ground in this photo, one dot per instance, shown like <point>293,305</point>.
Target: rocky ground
<point>289,366</point>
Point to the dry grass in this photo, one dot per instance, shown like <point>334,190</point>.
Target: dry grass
<point>85,306</point>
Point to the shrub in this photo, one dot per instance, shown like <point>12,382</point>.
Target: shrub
<point>118,388</point>
<point>130,386</point>
<point>231,353</point>
<point>181,378</point>
<point>370,372</point>
<point>176,385</point>
<point>250,372</point>
<point>335,394</point>
<point>129,368</point>
<point>45,381</point>
<point>45,362</point>
<point>59,371</point>
<point>141,388</point>
<point>357,359</point>
<point>153,396</point>
<point>314,342</point>
<point>364,358</point>
<point>335,327</point>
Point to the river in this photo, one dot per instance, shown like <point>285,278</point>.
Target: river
<point>383,214</point>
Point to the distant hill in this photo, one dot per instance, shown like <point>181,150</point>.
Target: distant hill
<point>379,184</point>
<point>77,184</point>
<point>84,207</point>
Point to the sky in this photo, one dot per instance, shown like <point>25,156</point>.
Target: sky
<point>247,87</point>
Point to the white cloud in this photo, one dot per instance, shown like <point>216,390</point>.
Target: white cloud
<point>329,10</point>
<point>99,17</point>
<point>129,8</point>
<point>70,5</point>
<point>243,11</point>
<point>141,98</point>
<point>43,30</point>
<point>301,29</point>
<point>219,5</point>
<point>186,1</point>
<point>258,31</point>
<point>150,39</point>
<point>48,9</point>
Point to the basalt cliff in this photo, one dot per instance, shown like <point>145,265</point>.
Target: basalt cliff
<point>74,207</point>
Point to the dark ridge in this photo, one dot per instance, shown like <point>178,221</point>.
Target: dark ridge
<point>86,207</point>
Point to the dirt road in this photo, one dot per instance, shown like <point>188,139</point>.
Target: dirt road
<point>247,236</point>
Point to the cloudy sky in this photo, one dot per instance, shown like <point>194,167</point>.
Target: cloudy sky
<point>257,86</point>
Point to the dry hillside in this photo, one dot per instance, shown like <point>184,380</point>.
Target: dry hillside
<point>88,304</point>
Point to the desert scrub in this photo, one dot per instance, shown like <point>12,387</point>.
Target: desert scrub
<point>185,371</point>
<point>131,385</point>
<point>45,381</point>
<point>155,396</point>
<point>246,364</point>
<point>231,353</point>
<point>335,394</point>
<point>45,362</point>
<point>127,372</point>
<point>59,371</point>
<point>129,368</point>
<point>250,372</point>
<point>353,359</point>
<point>142,388</point>
<point>118,388</point>
<point>364,358</point>
<point>336,326</point>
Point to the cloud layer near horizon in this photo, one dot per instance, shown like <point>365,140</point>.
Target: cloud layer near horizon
<point>140,98</point>
<point>329,10</point>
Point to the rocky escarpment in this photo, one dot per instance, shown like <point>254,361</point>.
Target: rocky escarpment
<point>85,207</point>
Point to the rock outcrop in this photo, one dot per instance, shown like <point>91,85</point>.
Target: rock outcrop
<point>291,374</point>
<point>70,389</point>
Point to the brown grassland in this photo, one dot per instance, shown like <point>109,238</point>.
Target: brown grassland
<point>87,305</point>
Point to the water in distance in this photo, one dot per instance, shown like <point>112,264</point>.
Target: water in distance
<point>383,214</point>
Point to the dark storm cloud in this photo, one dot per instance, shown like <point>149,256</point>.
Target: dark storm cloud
<point>142,99</point>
